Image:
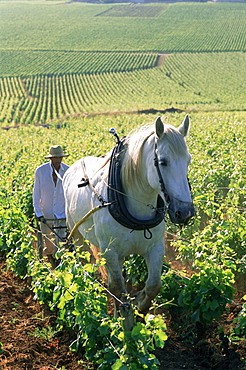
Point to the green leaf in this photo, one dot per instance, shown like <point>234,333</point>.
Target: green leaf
<point>118,365</point>
<point>195,316</point>
<point>136,331</point>
<point>160,337</point>
<point>214,304</point>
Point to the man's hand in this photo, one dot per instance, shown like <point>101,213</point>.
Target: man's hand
<point>42,219</point>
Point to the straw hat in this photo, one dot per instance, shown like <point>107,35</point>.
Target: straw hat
<point>56,151</point>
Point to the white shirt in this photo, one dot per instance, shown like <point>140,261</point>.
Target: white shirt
<point>48,198</point>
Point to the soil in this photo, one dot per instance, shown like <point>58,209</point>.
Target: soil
<point>25,326</point>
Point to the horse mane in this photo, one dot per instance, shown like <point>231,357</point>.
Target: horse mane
<point>131,169</point>
<point>131,166</point>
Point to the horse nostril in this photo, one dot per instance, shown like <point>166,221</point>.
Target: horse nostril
<point>178,214</point>
<point>189,215</point>
<point>183,217</point>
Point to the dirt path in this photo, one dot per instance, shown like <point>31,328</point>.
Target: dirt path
<point>161,59</point>
<point>26,334</point>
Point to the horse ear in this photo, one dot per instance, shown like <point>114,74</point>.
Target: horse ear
<point>184,128</point>
<point>159,127</point>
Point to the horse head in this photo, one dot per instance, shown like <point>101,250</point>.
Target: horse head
<point>171,161</point>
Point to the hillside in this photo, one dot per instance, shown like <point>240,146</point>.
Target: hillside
<point>182,56</point>
<point>159,28</point>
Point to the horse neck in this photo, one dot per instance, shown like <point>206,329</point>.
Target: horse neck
<point>139,193</point>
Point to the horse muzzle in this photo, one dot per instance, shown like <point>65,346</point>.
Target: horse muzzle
<point>181,212</point>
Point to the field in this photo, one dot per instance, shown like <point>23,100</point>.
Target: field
<point>68,73</point>
<point>111,82</point>
<point>172,28</point>
<point>196,60</point>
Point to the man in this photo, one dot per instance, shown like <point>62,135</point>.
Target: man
<point>48,200</point>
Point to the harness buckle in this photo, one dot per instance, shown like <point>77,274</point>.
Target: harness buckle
<point>84,182</point>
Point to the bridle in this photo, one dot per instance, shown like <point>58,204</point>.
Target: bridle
<point>161,181</point>
<point>162,184</point>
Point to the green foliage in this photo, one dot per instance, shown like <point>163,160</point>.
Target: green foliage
<point>221,240</point>
<point>214,245</point>
<point>81,305</point>
<point>172,285</point>
<point>140,340</point>
<point>16,239</point>
<point>46,333</point>
<point>135,10</point>
<point>139,274</point>
<point>207,294</point>
<point>43,282</point>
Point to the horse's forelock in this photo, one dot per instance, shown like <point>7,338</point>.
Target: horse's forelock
<point>176,142</point>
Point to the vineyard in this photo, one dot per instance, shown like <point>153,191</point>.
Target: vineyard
<point>122,82</point>
<point>213,248</point>
<point>68,73</point>
<point>36,62</point>
<point>189,27</point>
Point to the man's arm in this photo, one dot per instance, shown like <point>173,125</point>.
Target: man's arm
<point>37,195</point>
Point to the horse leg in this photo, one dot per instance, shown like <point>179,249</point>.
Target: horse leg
<point>116,282</point>
<point>116,285</point>
<point>154,262</point>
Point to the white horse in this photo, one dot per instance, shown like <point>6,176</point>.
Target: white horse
<point>149,178</point>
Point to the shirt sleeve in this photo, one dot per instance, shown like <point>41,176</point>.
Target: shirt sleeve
<point>37,195</point>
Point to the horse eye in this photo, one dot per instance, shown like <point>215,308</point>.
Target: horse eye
<point>163,162</point>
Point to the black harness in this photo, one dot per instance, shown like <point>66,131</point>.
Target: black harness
<point>116,196</point>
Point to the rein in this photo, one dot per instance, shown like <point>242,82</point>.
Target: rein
<point>85,181</point>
